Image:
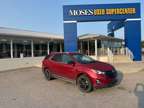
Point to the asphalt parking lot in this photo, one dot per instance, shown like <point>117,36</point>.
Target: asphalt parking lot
<point>27,88</point>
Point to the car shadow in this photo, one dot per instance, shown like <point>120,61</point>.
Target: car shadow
<point>139,92</point>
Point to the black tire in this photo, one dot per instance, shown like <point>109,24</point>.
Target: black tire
<point>47,74</point>
<point>84,83</point>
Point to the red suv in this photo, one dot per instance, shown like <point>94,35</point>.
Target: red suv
<point>81,69</point>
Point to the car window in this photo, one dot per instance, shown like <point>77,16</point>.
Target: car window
<point>83,59</point>
<point>47,56</point>
<point>57,58</point>
<point>66,59</point>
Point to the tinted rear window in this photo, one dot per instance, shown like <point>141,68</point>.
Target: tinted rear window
<point>47,57</point>
<point>57,58</point>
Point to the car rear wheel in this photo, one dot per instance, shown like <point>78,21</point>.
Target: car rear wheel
<point>47,74</point>
<point>84,83</point>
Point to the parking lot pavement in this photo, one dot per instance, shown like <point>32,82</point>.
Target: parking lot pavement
<point>27,88</point>
<point>129,67</point>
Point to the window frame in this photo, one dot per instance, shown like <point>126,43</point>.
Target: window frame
<point>62,61</point>
<point>69,57</point>
<point>55,60</point>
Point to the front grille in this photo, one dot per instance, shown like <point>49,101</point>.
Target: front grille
<point>111,74</point>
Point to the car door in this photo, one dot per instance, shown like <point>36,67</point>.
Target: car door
<point>68,68</point>
<point>59,65</point>
<point>55,64</point>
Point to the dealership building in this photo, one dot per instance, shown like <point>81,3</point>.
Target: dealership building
<point>16,43</point>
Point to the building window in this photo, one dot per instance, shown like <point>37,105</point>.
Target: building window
<point>21,48</point>
<point>54,46</point>
<point>40,48</point>
<point>4,48</point>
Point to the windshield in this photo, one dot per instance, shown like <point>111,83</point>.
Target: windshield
<point>83,59</point>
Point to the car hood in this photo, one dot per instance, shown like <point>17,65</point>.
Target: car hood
<point>97,65</point>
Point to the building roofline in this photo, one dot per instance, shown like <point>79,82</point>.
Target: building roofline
<point>13,32</point>
<point>89,36</point>
<point>27,33</point>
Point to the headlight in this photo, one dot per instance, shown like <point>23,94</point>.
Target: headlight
<point>98,72</point>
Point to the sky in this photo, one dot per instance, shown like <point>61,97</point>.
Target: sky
<point>47,16</point>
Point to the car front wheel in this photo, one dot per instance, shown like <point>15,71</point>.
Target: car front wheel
<point>84,83</point>
<point>47,74</point>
